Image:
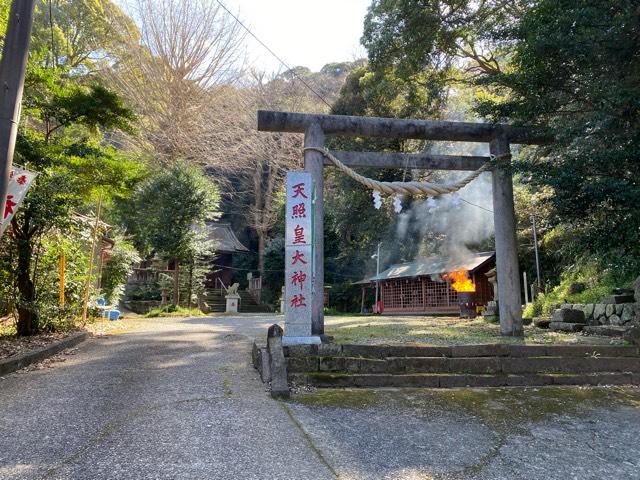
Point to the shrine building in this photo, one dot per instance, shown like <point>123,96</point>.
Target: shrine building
<point>427,285</point>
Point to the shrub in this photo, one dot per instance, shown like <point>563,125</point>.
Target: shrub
<point>117,269</point>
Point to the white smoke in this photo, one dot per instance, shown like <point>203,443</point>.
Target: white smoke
<point>451,222</point>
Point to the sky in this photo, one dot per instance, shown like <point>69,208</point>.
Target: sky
<point>308,33</point>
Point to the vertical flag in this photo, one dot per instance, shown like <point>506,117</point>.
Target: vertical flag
<point>19,182</point>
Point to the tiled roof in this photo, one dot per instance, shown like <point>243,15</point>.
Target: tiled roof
<point>433,266</point>
<point>223,238</point>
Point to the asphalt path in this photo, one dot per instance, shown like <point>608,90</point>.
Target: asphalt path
<point>179,400</point>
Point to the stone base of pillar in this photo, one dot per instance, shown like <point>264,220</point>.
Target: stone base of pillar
<point>312,340</point>
<point>233,303</point>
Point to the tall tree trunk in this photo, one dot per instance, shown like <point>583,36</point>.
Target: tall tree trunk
<point>262,240</point>
<point>190,285</point>
<point>27,318</point>
<point>176,284</point>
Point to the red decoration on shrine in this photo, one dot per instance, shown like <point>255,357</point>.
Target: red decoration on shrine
<point>298,257</point>
<point>298,235</point>
<point>8,206</point>
<point>298,301</point>
<point>298,278</point>
<point>299,211</point>
<point>298,191</point>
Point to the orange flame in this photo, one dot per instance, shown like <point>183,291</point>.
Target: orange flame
<point>460,281</point>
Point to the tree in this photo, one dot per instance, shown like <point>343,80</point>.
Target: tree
<point>562,64</point>
<point>117,269</point>
<point>169,210</point>
<point>62,143</point>
<point>572,72</point>
<point>80,34</point>
<point>435,38</point>
<point>66,116</point>
<point>177,75</point>
<point>263,159</point>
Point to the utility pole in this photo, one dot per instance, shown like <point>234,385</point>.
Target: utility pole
<point>12,69</point>
<point>377,256</point>
<point>535,247</point>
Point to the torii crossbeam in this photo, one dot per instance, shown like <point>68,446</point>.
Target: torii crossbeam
<point>499,137</point>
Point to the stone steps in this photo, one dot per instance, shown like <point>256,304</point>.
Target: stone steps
<point>331,365</point>
<point>475,365</point>
<point>217,302</point>
<point>567,327</point>
<point>433,380</point>
<point>484,350</point>
<point>605,330</point>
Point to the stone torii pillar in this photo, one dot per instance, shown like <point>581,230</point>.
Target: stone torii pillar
<point>313,164</point>
<point>499,137</point>
<point>504,221</point>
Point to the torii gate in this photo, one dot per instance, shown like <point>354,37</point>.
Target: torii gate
<point>499,137</point>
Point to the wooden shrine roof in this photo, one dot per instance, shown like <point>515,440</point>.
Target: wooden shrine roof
<point>432,266</point>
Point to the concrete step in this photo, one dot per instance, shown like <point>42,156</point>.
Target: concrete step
<point>337,380</point>
<point>253,309</point>
<point>462,365</point>
<point>605,330</point>
<point>617,299</point>
<point>567,327</point>
<point>485,350</point>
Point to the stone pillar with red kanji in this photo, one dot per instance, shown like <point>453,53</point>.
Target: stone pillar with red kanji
<point>299,266</point>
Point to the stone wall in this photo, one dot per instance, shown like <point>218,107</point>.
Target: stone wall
<point>607,313</point>
<point>141,307</point>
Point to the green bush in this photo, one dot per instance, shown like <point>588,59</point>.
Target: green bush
<point>534,309</point>
<point>74,241</point>
<point>598,280</point>
<point>144,291</point>
<point>173,311</point>
<point>117,269</point>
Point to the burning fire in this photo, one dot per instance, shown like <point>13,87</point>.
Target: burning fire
<point>460,281</point>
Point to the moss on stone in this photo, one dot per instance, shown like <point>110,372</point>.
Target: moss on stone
<point>502,409</point>
<point>346,398</point>
<point>500,406</point>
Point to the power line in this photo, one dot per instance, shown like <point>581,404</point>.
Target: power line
<point>238,269</point>
<point>274,54</point>
<point>300,78</point>
<point>475,205</point>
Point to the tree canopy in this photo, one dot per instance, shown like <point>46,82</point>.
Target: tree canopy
<point>570,66</point>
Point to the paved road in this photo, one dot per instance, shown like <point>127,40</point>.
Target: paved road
<point>179,402</point>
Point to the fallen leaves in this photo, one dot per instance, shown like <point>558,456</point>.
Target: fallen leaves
<point>12,346</point>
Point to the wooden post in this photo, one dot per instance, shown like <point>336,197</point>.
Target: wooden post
<point>61,266</point>
<point>313,163</point>
<point>176,283</point>
<point>504,218</point>
<point>87,284</point>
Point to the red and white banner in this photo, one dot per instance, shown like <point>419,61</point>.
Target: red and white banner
<point>19,182</point>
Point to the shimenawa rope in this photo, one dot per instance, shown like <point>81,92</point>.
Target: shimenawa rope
<point>404,188</point>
